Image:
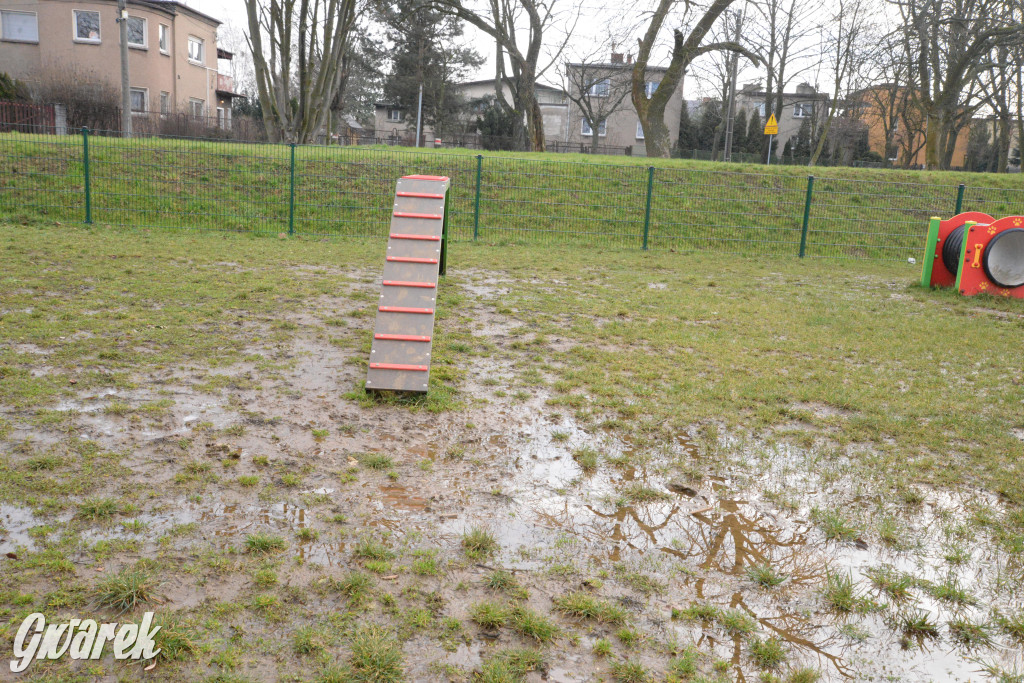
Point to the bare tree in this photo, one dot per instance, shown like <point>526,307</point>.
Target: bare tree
<point>650,107</point>
<point>596,88</point>
<point>780,34</point>
<point>948,42</point>
<point>298,49</point>
<point>501,20</point>
<point>847,53</point>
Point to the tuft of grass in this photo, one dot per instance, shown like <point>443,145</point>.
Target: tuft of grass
<point>587,458</point>
<point>479,543</point>
<point>736,622</point>
<point>767,654</point>
<point>952,592</point>
<point>703,611</point>
<point>375,461</point>
<point>308,640</point>
<point>1011,624</point>
<point>489,614</point>
<point>125,591</point>
<point>98,508</point>
<point>630,672</point>
<point>367,548</point>
<point>835,525</point>
<point>918,625</point>
<point>375,656</point>
<point>765,576</point>
<point>842,596</point>
<point>177,640</point>
<point>602,647</point>
<point>261,543</point>
<point>355,586</point>
<point>803,675</point>
<point>510,666</point>
<point>970,634</point>
<point>637,493</point>
<point>894,584</point>
<point>532,625</point>
<point>683,666</point>
<point>425,566</point>
<point>585,606</point>
<point>248,481</point>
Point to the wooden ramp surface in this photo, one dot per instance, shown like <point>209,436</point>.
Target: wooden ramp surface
<point>400,355</point>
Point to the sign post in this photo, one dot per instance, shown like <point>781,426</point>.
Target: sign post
<point>771,129</point>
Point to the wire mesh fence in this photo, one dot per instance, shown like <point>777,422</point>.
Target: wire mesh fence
<point>347,191</point>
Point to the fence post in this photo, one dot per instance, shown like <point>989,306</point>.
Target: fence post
<point>647,213</point>
<point>85,167</point>
<point>476,201</point>
<point>291,193</point>
<point>807,215</point>
<point>960,199</point>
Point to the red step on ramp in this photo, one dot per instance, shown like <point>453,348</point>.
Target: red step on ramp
<point>402,336</point>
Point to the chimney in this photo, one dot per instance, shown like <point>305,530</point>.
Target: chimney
<point>616,58</point>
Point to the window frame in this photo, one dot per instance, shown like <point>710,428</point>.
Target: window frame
<point>192,101</point>
<point>800,107</point>
<point>202,50</point>
<point>648,90</point>
<point>163,39</point>
<point>144,45</point>
<point>760,109</point>
<point>585,130</point>
<point>596,91</point>
<point>145,99</point>
<point>165,103</point>
<point>394,115</point>
<point>19,40</point>
<point>639,130</point>
<point>74,27</point>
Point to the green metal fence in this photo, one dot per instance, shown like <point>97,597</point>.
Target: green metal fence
<point>347,192</point>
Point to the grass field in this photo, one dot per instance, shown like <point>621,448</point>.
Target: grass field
<point>544,198</point>
<point>631,466</point>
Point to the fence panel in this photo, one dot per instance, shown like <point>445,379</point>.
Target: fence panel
<point>736,212</point>
<point>42,177</point>
<point>873,218</point>
<point>544,201</point>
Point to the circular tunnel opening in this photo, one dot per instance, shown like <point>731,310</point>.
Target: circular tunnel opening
<point>951,250</point>
<point>1003,260</point>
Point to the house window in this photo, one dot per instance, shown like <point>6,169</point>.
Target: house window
<point>21,27</point>
<point>138,100</point>
<point>197,108</point>
<point>639,131</point>
<point>600,88</point>
<point>602,128</point>
<point>760,109</point>
<point>164,38</point>
<point>394,115</point>
<point>165,103</point>
<point>649,89</point>
<point>802,110</point>
<point>196,49</point>
<point>137,32</point>
<point>87,26</point>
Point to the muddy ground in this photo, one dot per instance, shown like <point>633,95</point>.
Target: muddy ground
<point>667,528</point>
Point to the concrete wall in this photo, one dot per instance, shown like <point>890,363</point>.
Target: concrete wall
<point>58,55</point>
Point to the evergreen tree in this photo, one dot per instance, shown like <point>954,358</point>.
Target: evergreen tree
<point>428,50</point>
<point>687,132</point>
<point>12,89</point>
<point>755,133</point>
<point>710,119</point>
<point>739,132</point>
<point>498,126</point>
<point>802,144</point>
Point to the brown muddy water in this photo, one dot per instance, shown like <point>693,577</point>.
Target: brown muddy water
<point>507,465</point>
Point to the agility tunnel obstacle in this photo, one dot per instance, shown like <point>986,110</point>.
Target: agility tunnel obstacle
<point>975,253</point>
<point>416,255</point>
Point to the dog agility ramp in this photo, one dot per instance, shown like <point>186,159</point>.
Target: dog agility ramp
<point>400,355</point>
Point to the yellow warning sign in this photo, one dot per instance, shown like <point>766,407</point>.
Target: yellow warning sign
<point>772,127</point>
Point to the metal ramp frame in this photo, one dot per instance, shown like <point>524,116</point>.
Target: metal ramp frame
<point>417,247</point>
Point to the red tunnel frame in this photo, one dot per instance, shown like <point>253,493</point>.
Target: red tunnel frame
<point>973,279</point>
<point>941,277</point>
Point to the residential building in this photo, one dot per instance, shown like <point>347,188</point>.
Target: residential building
<point>395,123</point>
<point>896,126</point>
<point>173,55</point>
<point>604,91</point>
<point>804,104</point>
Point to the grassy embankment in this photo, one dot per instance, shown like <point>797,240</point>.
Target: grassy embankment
<point>524,197</point>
